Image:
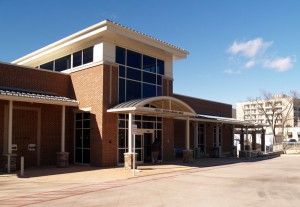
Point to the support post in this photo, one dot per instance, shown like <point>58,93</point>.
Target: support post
<point>196,139</point>
<point>130,133</point>
<point>63,128</point>
<point>187,134</point>
<point>62,156</point>
<point>187,154</point>
<point>263,140</point>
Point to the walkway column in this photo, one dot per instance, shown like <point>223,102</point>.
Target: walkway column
<point>196,138</point>
<point>128,156</point>
<point>218,147</point>
<point>263,140</point>
<point>187,134</point>
<point>10,158</point>
<point>254,139</point>
<point>187,154</point>
<point>62,156</point>
<point>129,133</point>
<point>63,128</point>
<point>232,142</point>
<point>242,143</point>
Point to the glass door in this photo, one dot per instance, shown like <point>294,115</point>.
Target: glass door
<point>82,138</point>
<point>148,140</point>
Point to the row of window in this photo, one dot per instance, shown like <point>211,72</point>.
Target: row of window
<point>140,76</point>
<point>139,61</point>
<point>70,61</point>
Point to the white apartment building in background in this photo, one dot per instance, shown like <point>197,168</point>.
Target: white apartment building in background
<point>287,110</point>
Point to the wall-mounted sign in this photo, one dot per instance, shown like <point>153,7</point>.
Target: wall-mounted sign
<point>168,111</point>
<point>31,147</point>
<point>14,147</point>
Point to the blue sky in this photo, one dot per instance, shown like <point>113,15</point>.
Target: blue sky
<point>237,47</point>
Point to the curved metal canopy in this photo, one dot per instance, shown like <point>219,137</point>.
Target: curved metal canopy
<point>159,105</point>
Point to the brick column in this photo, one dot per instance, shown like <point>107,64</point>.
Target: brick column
<point>254,140</point>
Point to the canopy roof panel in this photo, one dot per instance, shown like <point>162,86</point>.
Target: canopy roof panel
<point>160,105</point>
<point>35,97</point>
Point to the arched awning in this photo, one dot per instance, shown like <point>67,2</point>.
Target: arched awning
<point>159,106</point>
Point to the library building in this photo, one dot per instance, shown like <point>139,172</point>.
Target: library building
<point>102,95</point>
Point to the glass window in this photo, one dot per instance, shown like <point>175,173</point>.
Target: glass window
<point>88,55</point>
<point>47,66</point>
<point>77,58</point>
<point>121,71</point>
<point>159,80</point>
<point>134,59</point>
<point>159,91</point>
<point>63,63</point>
<point>149,90</point>
<point>133,90</point>
<point>122,138</point>
<point>160,67</point>
<point>121,90</point>
<point>149,64</point>
<point>134,74</point>
<point>149,77</point>
<point>120,55</point>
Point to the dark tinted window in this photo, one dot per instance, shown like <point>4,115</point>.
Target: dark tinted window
<point>149,90</point>
<point>160,67</point>
<point>134,59</point>
<point>77,58</point>
<point>48,66</point>
<point>63,63</point>
<point>88,55</point>
<point>133,90</point>
<point>149,77</point>
<point>133,74</point>
<point>159,80</point>
<point>149,64</point>
<point>121,89</point>
<point>120,55</point>
<point>159,91</point>
<point>122,71</point>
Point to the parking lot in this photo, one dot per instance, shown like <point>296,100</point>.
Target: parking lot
<point>206,182</point>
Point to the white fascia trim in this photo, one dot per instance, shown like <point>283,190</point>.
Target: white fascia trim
<point>87,66</point>
<point>121,109</point>
<point>53,47</point>
<point>37,100</point>
<point>176,52</point>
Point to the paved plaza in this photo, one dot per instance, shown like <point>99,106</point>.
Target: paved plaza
<point>206,182</point>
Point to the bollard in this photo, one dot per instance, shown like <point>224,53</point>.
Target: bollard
<point>22,166</point>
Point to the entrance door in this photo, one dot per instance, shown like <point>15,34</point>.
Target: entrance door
<point>25,136</point>
<point>148,139</point>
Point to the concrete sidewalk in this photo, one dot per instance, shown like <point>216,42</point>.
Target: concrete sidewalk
<point>87,174</point>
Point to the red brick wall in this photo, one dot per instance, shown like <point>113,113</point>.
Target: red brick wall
<point>202,106</point>
<point>35,79</point>
<point>92,87</point>
<point>41,80</point>
<point>227,141</point>
<point>179,134</point>
<point>168,139</point>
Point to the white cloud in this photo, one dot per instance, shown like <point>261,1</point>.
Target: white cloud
<point>250,64</point>
<point>250,48</point>
<point>230,71</point>
<point>279,64</point>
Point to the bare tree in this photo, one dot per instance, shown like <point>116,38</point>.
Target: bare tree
<point>276,109</point>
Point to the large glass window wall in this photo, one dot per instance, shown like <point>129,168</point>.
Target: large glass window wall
<point>143,122</point>
<point>140,76</point>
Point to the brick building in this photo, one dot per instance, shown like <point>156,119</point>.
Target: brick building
<point>77,101</point>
